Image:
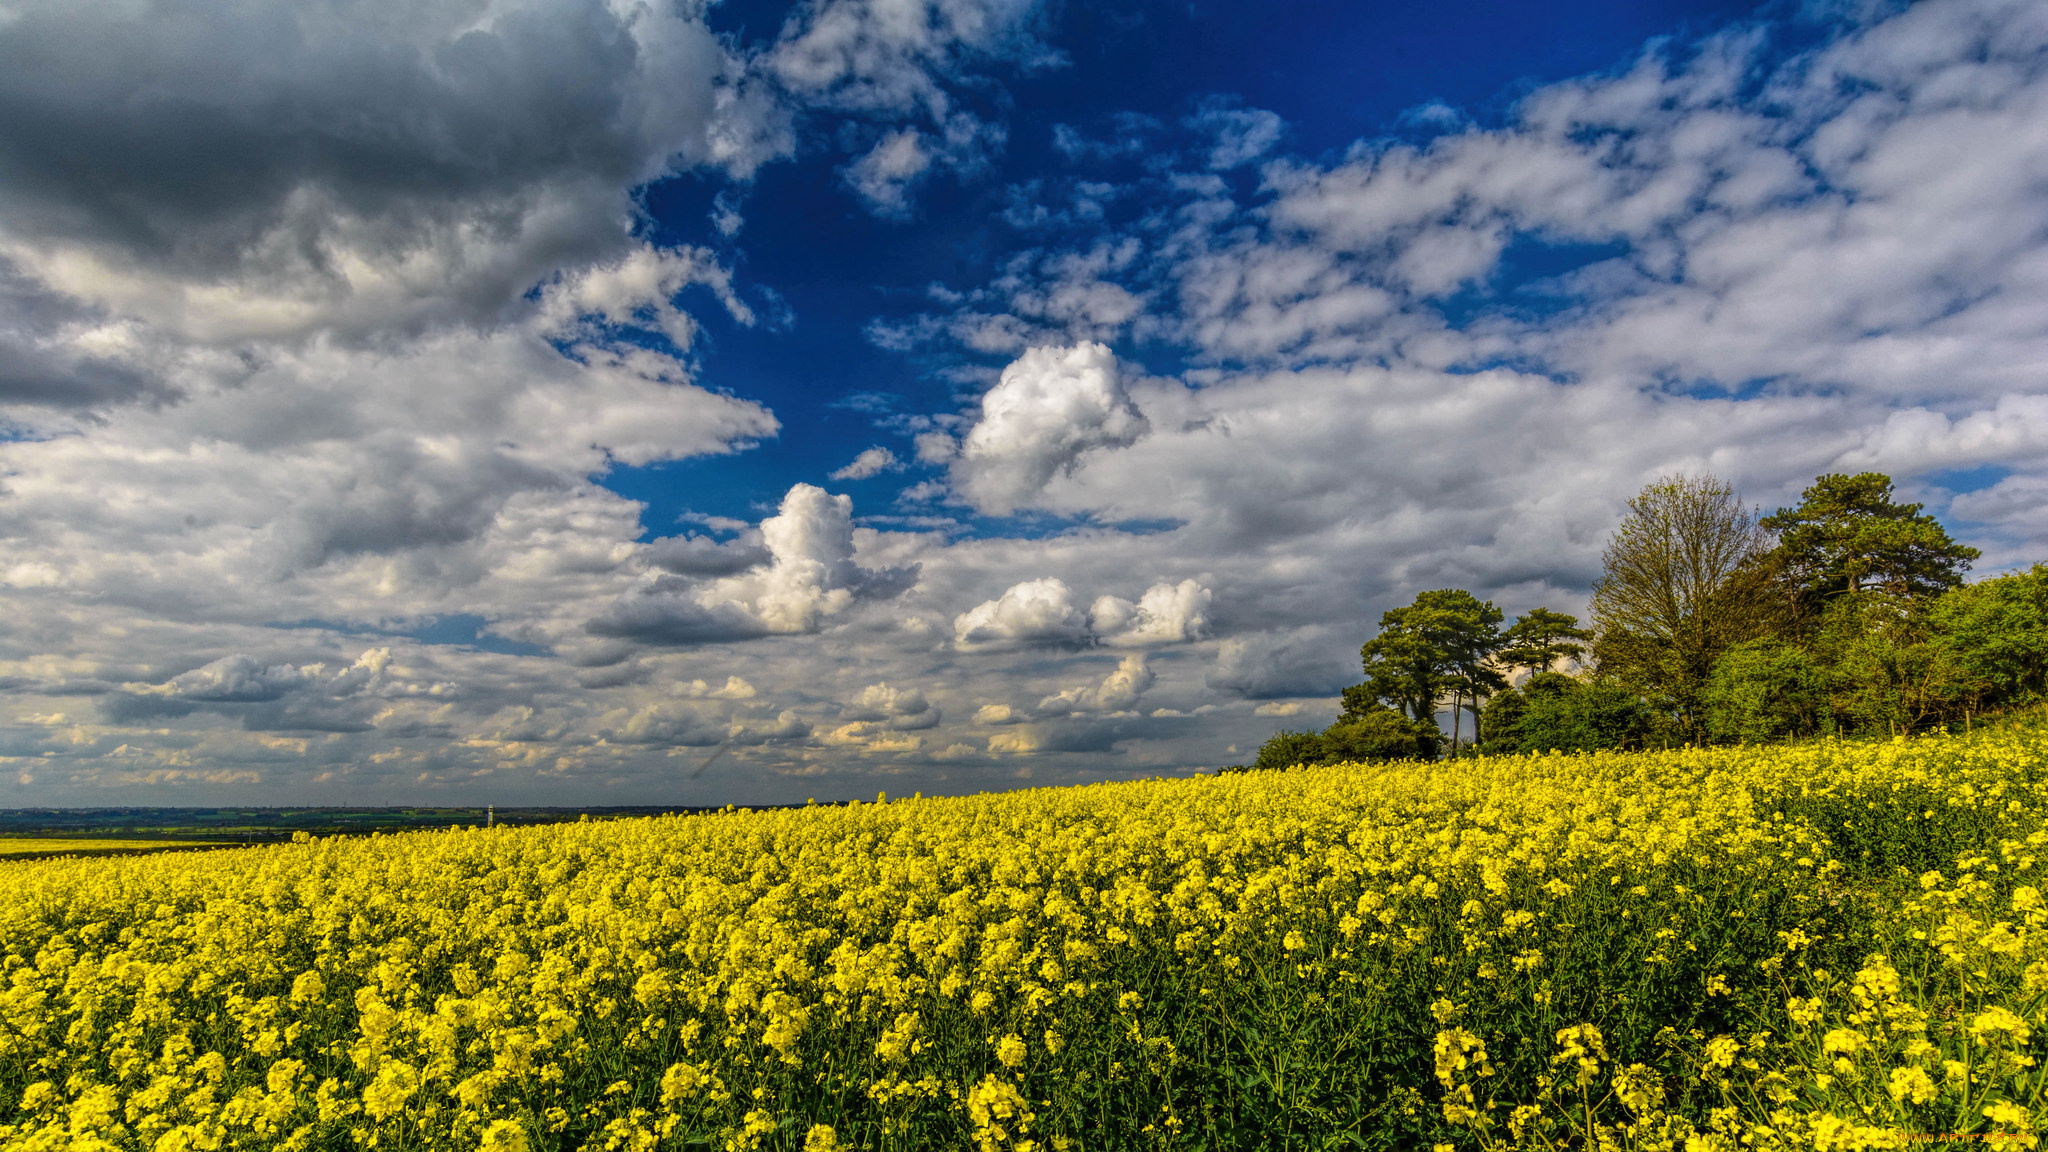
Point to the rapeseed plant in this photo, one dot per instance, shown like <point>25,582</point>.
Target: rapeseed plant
<point>1835,945</point>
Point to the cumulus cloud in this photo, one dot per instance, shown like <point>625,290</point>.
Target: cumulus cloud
<point>217,477</point>
<point>1306,661</point>
<point>1044,611</point>
<point>505,148</point>
<point>872,462</point>
<point>997,714</point>
<point>369,693</point>
<point>238,679</point>
<point>1165,614</point>
<point>734,688</point>
<point>904,709</point>
<point>809,577</point>
<point>670,724</point>
<point>1033,612</point>
<point>1050,406</point>
<point>1117,692</point>
<point>786,726</point>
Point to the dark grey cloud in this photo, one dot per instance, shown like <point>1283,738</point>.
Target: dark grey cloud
<point>1308,661</point>
<point>32,375</point>
<point>123,708</point>
<point>258,139</point>
<point>695,555</point>
<point>666,614</point>
<point>404,498</point>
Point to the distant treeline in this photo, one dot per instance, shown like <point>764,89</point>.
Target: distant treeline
<point>1845,615</point>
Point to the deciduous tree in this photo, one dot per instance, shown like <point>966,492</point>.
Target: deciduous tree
<point>1684,581</point>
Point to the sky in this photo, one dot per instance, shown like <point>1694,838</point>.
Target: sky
<point>595,402</point>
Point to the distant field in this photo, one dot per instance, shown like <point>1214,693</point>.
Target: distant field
<point>260,825</point>
<point>82,846</point>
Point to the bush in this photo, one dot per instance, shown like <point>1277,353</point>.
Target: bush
<point>1766,690</point>
<point>1552,712</point>
<point>1362,736</point>
<point>1286,749</point>
<point>1380,734</point>
<point>1586,718</point>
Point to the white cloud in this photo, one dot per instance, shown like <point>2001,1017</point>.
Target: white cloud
<point>809,577</point>
<point>872,462</point>
<point>1051,406</point>
<point>996,714</point>
<point>669,724</point>
<point>507,146</point>
<point>885,175</point>
<point>1306,661</point>
<point>1033,612</point>
<point>786,726</point>
<point>1117,692</point>
<point>903,709</point>
<point>217,479</point>
<point>734,688</point>
<point>1165,614</point>
<point>239,679</point>
<point>1241,134</point>
<point>1044,611</point>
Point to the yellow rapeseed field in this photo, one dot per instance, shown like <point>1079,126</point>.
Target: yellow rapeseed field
<point>1832,945</point>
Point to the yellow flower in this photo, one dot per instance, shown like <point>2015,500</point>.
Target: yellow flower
<point>308,988</point>
<point>394,1085</point>
<point>1912,1083</point>
<point>503,1136</point>
<point>1997,1025</point>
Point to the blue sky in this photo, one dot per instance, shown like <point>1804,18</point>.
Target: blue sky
<point>581,402</point>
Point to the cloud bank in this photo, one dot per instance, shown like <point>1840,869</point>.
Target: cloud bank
<point>325,331</point>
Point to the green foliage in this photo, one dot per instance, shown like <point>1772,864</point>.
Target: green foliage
<point>1995,636</point>
<point>1541,638</point>
<point>1848,534</point>
<point>1767,690</point>
<point>1684,580</point>
<point>1289,749</point>
<point>1370,734</point>
<point>1852,621</point>
<point>1380,734</point>
<point>1441,643</point>
<point>1888,674</point>
<point>1584,718</point>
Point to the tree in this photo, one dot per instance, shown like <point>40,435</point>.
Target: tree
<point>1369,735</point>
<point>1540,638</point>
<point>1766,690</point>
<point>1380,734</point>
<point>1848,534</point>
<point>1889,675</point>
<point>1554,712</point>
<point>1995,633</point>
<point>1683,581</point>
<point>1587,717</point>
<point>1442,643</point>
<point>1291,749</point>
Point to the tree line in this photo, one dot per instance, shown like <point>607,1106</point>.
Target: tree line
<point>1846,614</point>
